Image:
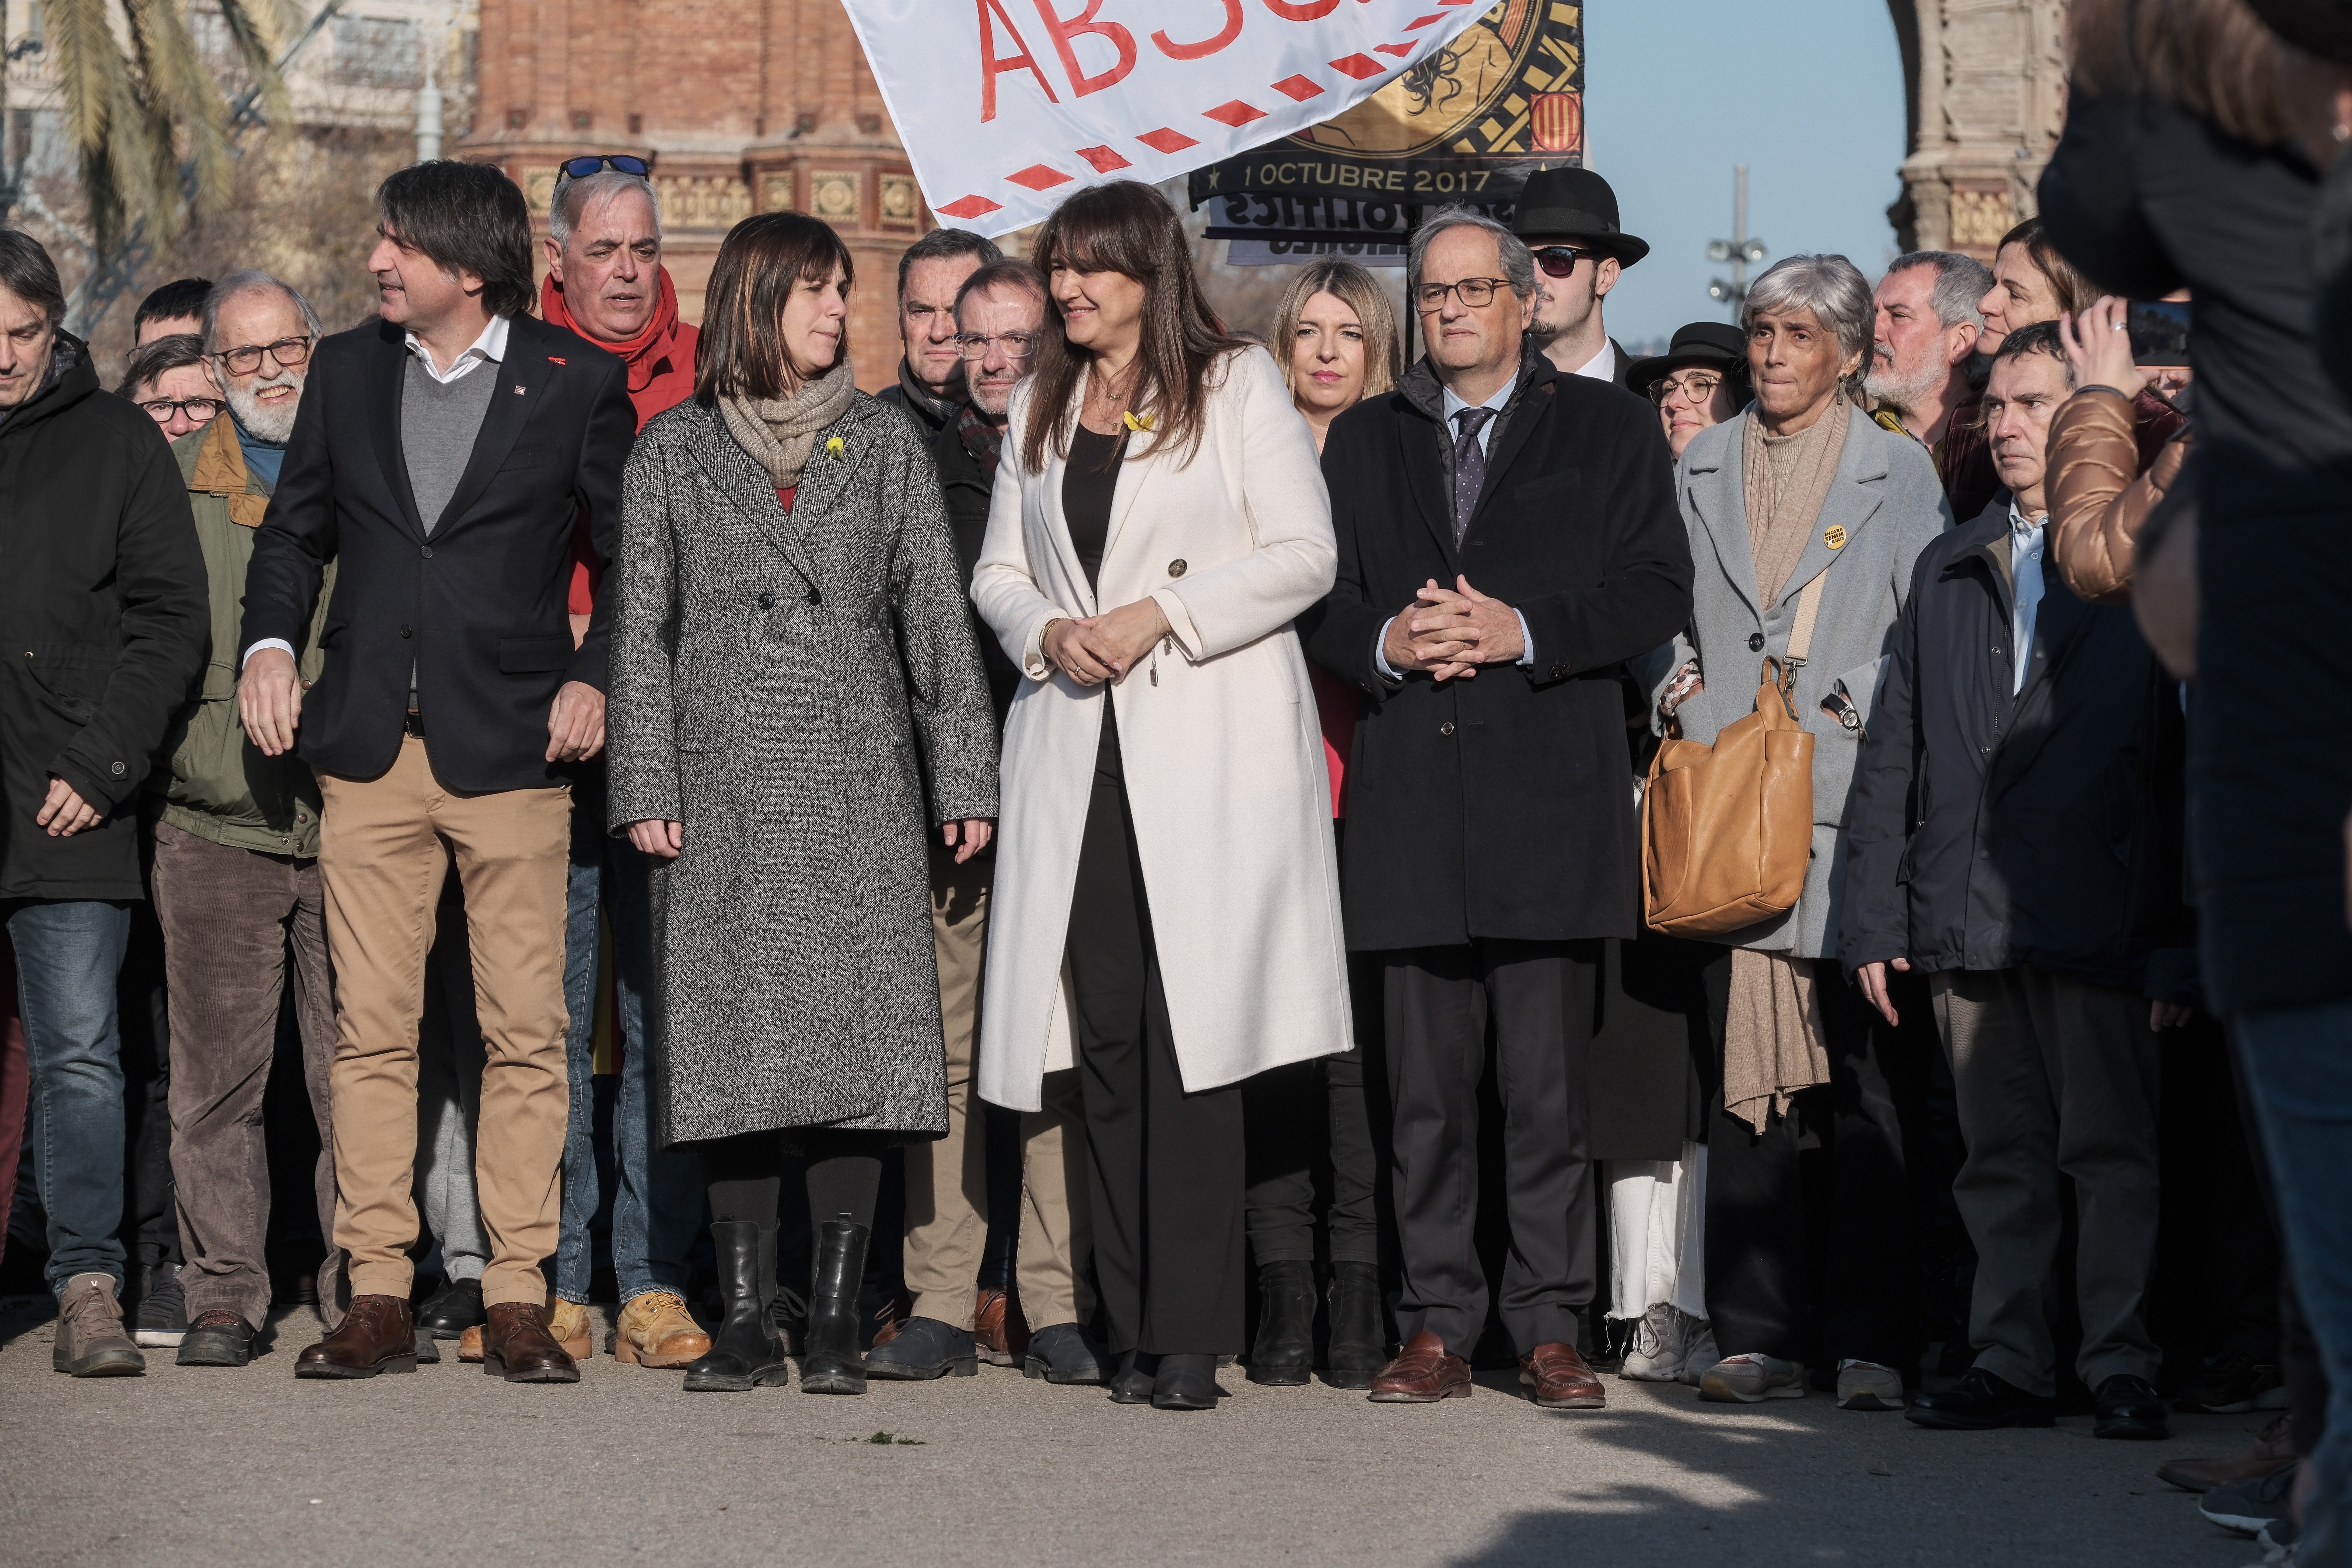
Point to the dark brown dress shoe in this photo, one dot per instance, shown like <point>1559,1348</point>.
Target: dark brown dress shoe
<point>1556,1377</point>
<point>1422,1373</point>
<point>517,1346</point>
<point>377,1335</point>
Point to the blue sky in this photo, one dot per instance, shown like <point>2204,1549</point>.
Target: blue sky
<point>1678,91</point>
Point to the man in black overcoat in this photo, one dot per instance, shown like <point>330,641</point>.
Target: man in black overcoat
<point>1507,537</point>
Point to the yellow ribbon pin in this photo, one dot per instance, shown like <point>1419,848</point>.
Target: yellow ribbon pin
<point>836,445</point>
<point>1835,537</point>
<point>1136,421</point>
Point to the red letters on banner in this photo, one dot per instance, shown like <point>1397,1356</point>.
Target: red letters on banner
<point>1084,21</point>
<point>1302,10</point>
<point>1206,47</point>
<point>992,64</point>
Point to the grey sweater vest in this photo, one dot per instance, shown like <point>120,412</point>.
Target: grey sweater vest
<point>437,426</point>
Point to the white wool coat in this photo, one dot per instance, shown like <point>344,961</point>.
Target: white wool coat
<point>1222,752</point>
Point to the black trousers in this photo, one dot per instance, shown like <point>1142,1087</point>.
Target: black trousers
<point>1810,1244</point>
<point>1167,1165</point>
<point>1535,1000</point>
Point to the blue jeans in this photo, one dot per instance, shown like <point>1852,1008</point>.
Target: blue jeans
<point>69,952</point>
<point>2300,1061</point>
<point>658,1210</point>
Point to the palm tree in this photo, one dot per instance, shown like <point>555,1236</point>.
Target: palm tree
<point>147,120</point>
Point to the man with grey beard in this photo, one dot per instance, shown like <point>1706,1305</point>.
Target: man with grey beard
<point>236,880</point>
<point>1925,338</point>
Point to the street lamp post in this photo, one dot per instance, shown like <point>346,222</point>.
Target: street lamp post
<point>1740,249</point>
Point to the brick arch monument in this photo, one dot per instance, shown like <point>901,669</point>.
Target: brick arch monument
<point>1985,85</point>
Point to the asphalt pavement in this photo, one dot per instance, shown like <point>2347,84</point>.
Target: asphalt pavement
<point>188,1467</point>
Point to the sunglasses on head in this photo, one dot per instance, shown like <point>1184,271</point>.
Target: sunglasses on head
<point>581,168</point>
<point>1559,260</point>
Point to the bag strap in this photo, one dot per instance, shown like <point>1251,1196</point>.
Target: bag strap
<point>1809,610</point>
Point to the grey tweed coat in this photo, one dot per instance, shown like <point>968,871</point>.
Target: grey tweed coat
<point>788,685</point>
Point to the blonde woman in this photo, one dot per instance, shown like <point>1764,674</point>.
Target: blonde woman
<point>1335,337</point>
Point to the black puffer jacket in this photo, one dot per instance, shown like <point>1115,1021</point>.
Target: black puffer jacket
<point>1990,830</point>
<point>104,623</point>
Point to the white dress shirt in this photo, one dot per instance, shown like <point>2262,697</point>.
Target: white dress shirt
<point>491,346</point>
<point>1602,367</point>
<point>1453,407</point>
<point>2025,580</point>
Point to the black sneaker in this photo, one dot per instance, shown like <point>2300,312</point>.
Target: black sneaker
<point>2129,1407</point>
<point>2247,1507</point>
<point>452,1310</point>
<point>922,1349</point>
<point>2231,1385</point>
<point>1980,1404</point>
<point>217,1338</point>
<point>163,1313</point>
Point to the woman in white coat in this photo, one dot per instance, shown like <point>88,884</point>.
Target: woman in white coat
<point>1158,520</point>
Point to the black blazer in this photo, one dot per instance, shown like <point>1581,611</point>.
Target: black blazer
<point>1498,804</point>
<point>479,608</point>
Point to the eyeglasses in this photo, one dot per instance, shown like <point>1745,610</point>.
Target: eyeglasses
<point>1696,387</point>
<point>1559,260</point>
<point>581,168</point>
<point>291,352</point>
<point>199,410</point>
<point>973,346</point>
<point>1476,293</point>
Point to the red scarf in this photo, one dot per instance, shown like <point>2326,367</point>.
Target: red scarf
<point>660,358</point>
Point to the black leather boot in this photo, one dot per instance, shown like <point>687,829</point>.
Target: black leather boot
<point>835,1365</point>
<point>1132,1382</point>
<point>1189,1382</point>
<point>1283,1356</point>
<point>1358,1346</point>
<point>746,1352</point>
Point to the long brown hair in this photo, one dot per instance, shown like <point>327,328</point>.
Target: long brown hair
<point>1125,226</point>
<point>741,352</point>
<point>2213,57</point>
<point>1345,281</point>
<point>2073,293</point>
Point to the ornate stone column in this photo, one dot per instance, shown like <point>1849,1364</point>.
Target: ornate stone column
<point>1988,95</point>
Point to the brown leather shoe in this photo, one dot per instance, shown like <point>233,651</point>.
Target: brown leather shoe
<point>567,1325</point>
<point>1556,1377</point>
<point>1422,1373</point>
<point>998,1330</point>
<point>377,1335</point>
<point>2272,1452</point>
<point>517,1346</point>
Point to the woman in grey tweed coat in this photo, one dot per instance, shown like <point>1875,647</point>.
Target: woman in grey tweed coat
<point>792,669</point>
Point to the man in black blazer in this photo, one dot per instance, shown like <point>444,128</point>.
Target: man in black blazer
<point>1508,537</point>
<point>441,457</point>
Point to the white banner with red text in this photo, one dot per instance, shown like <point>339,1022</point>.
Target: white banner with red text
<point>1007,106</point>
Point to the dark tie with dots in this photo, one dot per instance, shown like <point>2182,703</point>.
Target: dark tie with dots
<point>1469,467</point>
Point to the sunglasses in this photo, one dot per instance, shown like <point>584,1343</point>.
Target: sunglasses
<point>1559,260</point>
<point>581,168</point>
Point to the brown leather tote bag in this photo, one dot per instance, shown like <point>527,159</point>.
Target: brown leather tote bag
<point>1728,829</point>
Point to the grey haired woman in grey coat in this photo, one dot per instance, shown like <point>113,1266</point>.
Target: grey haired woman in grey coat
<point>1802,486</point>
<point>792,669</point>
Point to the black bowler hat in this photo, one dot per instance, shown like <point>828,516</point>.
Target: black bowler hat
<point>1579,204</point>
<point>1717,344</point>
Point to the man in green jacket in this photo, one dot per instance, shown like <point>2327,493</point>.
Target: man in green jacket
<point>237,858</point>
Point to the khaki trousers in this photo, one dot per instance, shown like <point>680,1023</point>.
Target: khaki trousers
<point>2054,1076</point>
<point>386,845</point>
<point>947,1180</point>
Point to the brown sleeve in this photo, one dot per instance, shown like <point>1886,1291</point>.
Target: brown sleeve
<point>2098,499</point>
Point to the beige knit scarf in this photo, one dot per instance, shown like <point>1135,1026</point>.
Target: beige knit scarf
<point>1772,1034</point>
<point>777,433</point>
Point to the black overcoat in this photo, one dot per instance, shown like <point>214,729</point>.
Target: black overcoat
<point>1497,806</point>
<point>479,608</point>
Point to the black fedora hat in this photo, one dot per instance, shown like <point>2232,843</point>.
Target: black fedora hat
<point>1579,204</point>
<point>1716,343</point>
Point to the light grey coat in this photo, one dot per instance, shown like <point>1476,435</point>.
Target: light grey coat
<point>786,684</point>
<point>1887,498</point>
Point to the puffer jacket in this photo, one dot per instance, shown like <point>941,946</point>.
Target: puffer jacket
<point>2100,494</point>
<point>219,786</point>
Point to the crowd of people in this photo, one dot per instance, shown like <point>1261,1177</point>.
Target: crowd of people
<point>1144,848</point>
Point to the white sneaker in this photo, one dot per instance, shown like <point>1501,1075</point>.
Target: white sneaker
<point>1867,1385</point>
<point>1702,1355</point>
<point>1660,1344</point>
<point>1750,1377</point>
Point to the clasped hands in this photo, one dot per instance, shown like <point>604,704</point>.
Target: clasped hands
<point>1451,631</point>
<point>1092,649</point>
